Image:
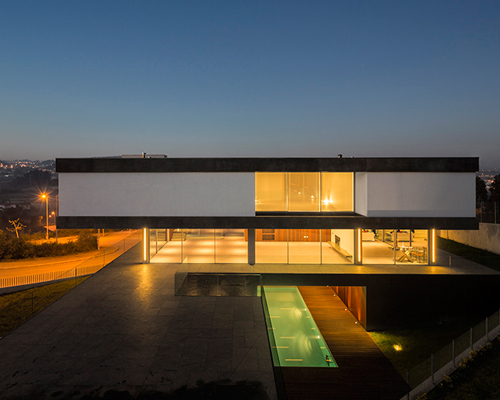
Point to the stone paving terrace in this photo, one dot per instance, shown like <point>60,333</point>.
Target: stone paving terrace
<point>123,329</point>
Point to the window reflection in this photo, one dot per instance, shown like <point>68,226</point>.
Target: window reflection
<point>304,191</point>
<point>270,191</point>
<point>337,191</point>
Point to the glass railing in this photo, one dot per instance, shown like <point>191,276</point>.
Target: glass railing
<point>455,351</point>
<point>18,306</point>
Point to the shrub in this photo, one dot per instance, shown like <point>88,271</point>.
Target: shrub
<point>86,241</point>
<point>12,248</point>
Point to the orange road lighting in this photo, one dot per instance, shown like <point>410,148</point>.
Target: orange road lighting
<point>398,347</point>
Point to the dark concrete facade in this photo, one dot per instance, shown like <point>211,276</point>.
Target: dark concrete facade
<point>396,300</point>
<point>422,164</point>
<point>267,222</point>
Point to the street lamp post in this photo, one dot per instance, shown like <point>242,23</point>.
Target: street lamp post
<point>46,198</point>
<point>53,213</point>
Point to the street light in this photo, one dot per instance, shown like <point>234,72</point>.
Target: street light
<point>45,198</point>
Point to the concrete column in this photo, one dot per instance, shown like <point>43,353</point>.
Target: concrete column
<point>251,246</point>
<point>146,246</point>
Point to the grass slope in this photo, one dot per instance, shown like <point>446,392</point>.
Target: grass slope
<point>15,308</point>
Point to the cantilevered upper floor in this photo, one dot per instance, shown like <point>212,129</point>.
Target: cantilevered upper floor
<point>315,193</point>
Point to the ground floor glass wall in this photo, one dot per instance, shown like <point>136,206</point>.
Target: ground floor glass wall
<point>304,246</point>
<point>290,246</point>
<point>204,246</point>
<point>392,246</point>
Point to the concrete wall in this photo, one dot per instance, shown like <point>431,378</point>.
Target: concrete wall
<point>360,193</point>
<point>420,194</point>
<point>157,194</point>
<point>486,238</point>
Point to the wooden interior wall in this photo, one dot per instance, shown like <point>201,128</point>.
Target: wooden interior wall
<point>354,297</point>
<point>295,235</point>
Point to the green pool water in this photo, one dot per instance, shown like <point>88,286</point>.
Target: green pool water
<point>294,337</point>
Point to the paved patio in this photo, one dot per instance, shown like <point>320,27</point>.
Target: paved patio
<point>124,329</point>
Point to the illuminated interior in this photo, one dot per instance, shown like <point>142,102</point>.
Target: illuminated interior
<point>203,246</point>
<point>304,246</point>
<point>412,246</point>
<point>292,246</point>
<point>304,191</point>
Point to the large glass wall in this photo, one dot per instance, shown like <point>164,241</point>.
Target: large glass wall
<point>203,246</point>
<point>337,192</point>
<point>157,239</point>
<point>199,246</point>
<point>391,246</point>
<point>271,246</point>
<point>304,246</point>
<point>231,246</point>
<point>304,191</point>
<point>271,191</point>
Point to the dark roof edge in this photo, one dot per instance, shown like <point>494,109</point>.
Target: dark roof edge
<point>422,164</point>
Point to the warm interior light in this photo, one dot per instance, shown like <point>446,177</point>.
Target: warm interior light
<point>359,245</point>
<point>398,347</point>
<point>433,244</point>
<point>144,239</point>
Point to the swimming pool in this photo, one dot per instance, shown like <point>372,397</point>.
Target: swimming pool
<point>294,337</point>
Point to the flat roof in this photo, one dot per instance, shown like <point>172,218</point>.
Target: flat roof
<point>409,164</point>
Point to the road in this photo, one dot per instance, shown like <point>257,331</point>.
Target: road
<point>112,246</point>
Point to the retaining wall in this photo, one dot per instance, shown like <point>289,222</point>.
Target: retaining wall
<point>486,238</point>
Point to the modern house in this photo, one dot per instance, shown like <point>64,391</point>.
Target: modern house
<point>312,211</point>
<point>349,212</point>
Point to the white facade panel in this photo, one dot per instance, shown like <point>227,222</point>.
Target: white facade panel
<point>157,194</point>
<point>421,194</point>
<point>360,193</point>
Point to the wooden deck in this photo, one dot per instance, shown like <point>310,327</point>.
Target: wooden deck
<point>363,371</point>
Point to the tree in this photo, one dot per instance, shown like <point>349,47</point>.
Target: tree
<point>495,189</point>
<point>17,227</point>
<point>481,192</point>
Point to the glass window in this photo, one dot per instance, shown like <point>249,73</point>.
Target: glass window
<point>338,246</point>
<point>171,246</point>
<point>337,191</point>
<point>303,191</point>
<point>271,246</point>
<point>270,191</point>
<point>231,246</point>
<point>378,246</point>
<point>304,246</point>
<point>199,246</point>
<point>412,247</point>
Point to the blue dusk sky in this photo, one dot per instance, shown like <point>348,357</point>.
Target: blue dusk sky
<point>250,78</point>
